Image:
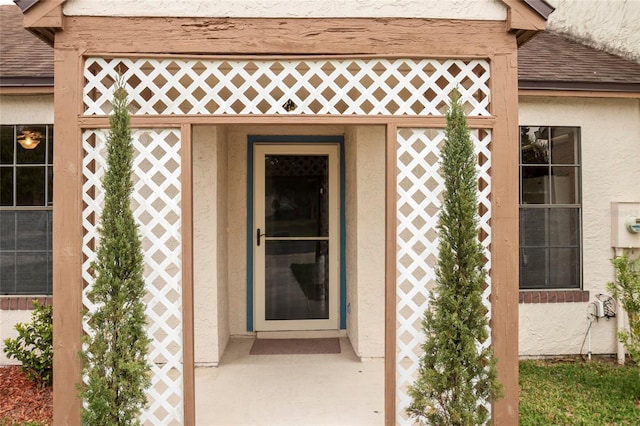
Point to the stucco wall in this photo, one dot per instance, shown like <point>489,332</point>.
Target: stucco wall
<point>237,223</point>
<point>222,240</point>
<point>205,245</point>
<point>459,9</point>
<point>365,204</point>
<point>351,225</point>
<point>610,145</point>
<point>8,320</point>
<point>611,25</point>
<point>26,109</point>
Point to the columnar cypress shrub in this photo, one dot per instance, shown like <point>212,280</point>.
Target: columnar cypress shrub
<point>115,367</point>
<point>456,374</point>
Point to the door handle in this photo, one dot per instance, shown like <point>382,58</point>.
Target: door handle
<point>259,235</point>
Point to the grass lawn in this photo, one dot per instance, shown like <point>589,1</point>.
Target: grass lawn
<point>578,393</point>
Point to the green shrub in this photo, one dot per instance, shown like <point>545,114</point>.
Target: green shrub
<point>626,290</point>
<point>115,366</point>
<point>34,345</point>
<point>456,375</point>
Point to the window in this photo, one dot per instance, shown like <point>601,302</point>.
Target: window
<point>550,208</point>
<point>26,189</point>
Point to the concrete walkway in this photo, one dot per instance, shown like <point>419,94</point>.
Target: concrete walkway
<point>300,390</point>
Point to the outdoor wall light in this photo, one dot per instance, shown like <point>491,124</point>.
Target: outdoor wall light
<point>28,139</point>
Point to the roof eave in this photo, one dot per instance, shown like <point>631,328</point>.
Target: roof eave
<point>42,17</point>
<point>25,5</point>
<point>543,8</point>
<point>585,86</point>
<point>26,81</point>
<point>525,18</point>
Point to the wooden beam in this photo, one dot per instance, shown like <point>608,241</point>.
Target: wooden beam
<point>101,122</point>
<point>44,14</point>
<point>504,229</point>
<point>521,16</point>
<point>290,36</point>
<point>67,238</point>
<point>390,277</point>
<point>187,276</point>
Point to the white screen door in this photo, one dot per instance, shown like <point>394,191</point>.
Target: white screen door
<point>296,236</point>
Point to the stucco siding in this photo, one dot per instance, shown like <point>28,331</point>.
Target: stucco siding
<point>365,171</point>
<point>8,320</point>
<point>611,25</point>
<point>458,9</point>
<point>222,237</point>
<point>26,109</point>
<point>610,151</point>
<point>237,224</point>
<point>351,224</point>
<point>370,168</point>
<point>205,246</point>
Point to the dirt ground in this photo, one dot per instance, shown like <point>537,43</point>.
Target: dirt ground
<point>21,401</point>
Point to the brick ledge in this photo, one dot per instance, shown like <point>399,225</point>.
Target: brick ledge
<point>22,303</point>
<point>553,296</point>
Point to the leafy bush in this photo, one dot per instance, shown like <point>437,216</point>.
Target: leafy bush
<point>626,290</point>
<point>34,345</point>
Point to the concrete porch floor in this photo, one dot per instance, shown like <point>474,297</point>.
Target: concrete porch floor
<point>279,390</point>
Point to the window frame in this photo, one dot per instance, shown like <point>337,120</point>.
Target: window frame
<point>549,205</point>
<point>47,206</point>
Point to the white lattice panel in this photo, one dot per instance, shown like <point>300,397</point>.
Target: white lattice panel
<point>419,199</point>
<point>156,202</point>
<point>296,86</point>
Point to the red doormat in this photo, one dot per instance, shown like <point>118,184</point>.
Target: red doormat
<point>329,345</point>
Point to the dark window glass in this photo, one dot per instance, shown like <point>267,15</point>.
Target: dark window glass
<point>30,186</point>
<point>534,145</point>
<point>7,230</point>
<point>32,229</point>
<point>564,267</point>
<point>564,227</point>
<point>49,144</point>
<point>6,186</point>
<point>7,273</point>
<point>533,224</point>
<point>533,267</point>
<point>7,144</point>
<point>32,273</point>
<point>49,185</point>
<point>535,185</point>
<point>564,145</point>
<point>564,185</point>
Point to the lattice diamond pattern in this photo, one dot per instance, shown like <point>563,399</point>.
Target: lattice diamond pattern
<point>295,86</point>
<point>156,201</point>
<point>419,192</point>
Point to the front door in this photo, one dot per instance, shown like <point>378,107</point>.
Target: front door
<point>296,236</point>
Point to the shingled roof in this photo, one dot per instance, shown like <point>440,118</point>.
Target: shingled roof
<point>25,60</point>
<point>553,62</point>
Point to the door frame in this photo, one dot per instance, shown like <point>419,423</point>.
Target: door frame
<point>295,139</point>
